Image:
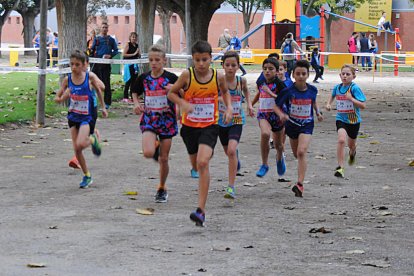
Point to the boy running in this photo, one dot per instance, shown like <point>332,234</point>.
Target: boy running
<point>200,116</point>
<point>77,87</point>
<point>158,121</point>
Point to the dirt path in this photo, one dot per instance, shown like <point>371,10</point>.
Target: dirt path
<point>266,231</point>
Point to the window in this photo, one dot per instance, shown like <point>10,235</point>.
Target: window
<point>174,19</point>
<point>17,20</point>
<point>126,20</point>
<point>9,20</point>
<point>115,19</point>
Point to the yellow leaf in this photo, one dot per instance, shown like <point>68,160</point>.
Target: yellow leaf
<point>411,164</point>
<point>374,142</point>
<point>36,265</point>
<point>145,211</point>
<point>28,156</point>
<point>130,193</point>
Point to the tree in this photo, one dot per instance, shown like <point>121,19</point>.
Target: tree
<point>99,6</point>
<point>249,8</point>
<point>29,10</point>
<point>6,7</point>
<point>336,6</point>
<point>165,16</point>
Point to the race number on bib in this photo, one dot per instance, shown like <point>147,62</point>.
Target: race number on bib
<point>301,109</point>
<point>156,100</point>
<point>266,103</point>
<point>203,110</point>
<point>79,104</point>
<point>236,104</point>
<point>343,105</point>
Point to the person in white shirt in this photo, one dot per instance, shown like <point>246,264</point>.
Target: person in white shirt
<point>383,24</point>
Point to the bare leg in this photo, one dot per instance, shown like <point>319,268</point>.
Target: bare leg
<point>302,148</point>
<point>265,130</point>
<point>341,147</point>
<point>163,161</point>
<point>148,143</point>
<point>203,159</point>
<point>231,152</point>
<point>279,142</point>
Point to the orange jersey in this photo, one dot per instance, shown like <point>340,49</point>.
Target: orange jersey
<point>204,98</point>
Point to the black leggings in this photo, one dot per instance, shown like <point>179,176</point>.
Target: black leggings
<point>134,75</point>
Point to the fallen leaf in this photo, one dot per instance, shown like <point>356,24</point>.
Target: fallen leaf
<point>28,156</point>
<point>220,248</point>
<point>411,164</point>
<point>53,227</point>
<point>145,211</point>
<point>354,238</point>
<point>283,180</point>
<point>248,246</point>
<point>327,242</point>
<point>36,265</point>
<point>16,88</point>
<point>374,142</point>
<point>132,198</point>
<point>380,208</point>
<point>116,207</point>
<point>320,157</point>
<point>385,213</point>
<point>249,184</point>
<point>289,208</point>
<point>356,251</point>
<point>360,167</point>
<point>363,136</point>
<point>340,213</point>
<point>322,230</point>
<point>202,270</point>
<point>130,193</point>
<point>377,263</point>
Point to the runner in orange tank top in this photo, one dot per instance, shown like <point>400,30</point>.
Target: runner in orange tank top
<point>200,116</point>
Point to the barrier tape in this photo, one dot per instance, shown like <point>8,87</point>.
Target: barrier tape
<point>178,57</point>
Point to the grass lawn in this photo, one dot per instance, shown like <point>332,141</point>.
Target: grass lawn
<point>18,96</point>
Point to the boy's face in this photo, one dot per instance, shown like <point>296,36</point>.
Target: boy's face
<point>202,62</point>
<point>77,66</point>
<point>300,74</point>
<point>281,72</point>
<point>347,76</point>
<point>269,71</point>
<point>156,61</point>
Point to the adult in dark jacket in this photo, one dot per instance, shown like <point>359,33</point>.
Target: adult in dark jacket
<point>365,49</point>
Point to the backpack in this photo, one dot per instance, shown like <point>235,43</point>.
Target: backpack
<point>288,48</point>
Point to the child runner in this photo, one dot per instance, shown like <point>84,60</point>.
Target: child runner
<point>300,101</point>
<point>268,120</point>
<point>230,133</point>
<point>282,73</point>
<point>200,116</point>
<point>77,86</point>
<point>349,100</point>
<point>158,121</point>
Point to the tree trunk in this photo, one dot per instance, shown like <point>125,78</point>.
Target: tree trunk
<point>28,33</point>
<point>73,27</point>
<point>165,17</point>
<point>246,22</point>
<point>144,24</point>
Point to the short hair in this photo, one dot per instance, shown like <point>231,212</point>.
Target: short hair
<point>274,55</point>
<point>271,61</point>
<point>231,54</point>
<point>302,64</point>
<point>80,55</point>
<point>157,48</point>
<point>315,49</point>
<point>354,33</point>
<point>104,23</point>
<point>352,68</point>
<point>283,64</point>
<point>200,47</point>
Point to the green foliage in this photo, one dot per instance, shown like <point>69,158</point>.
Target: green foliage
<point>337,6</point>
<point>260,4</point>
<point>98,6</point>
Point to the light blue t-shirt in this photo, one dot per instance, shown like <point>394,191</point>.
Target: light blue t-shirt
<point>346,111</point>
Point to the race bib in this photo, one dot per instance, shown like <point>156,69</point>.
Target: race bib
<point>301,109</point>
<point>343,105</point>
<point>156,100</point>
<point>235,103</point>
<point>79,104</point>
<point>266,102</point>
<point>203,110</point>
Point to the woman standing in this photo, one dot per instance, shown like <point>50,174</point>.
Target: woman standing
<point>131,51</point>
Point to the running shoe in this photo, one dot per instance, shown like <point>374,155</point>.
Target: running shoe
<point>262,171</point>
<point>321,77</point>
<point>157,151</point>
<point>86,181</point>
<point>230,193</point>
<point>298,189</point>
<point>96,147</point>
<point>74,163</point>
<point>161,196</point>
<point>194,174</point>
<point>281,166</point>
<point>339,172</point>
<point>198,216</point>
<point>351,159</point>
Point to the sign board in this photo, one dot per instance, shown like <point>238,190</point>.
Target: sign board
<point>310,26</point>
<point>370,13</point>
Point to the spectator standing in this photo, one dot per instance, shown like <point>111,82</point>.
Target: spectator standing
<point>289,46</point>
<point>353,48</point>
<point>55,49</point>
<point>235,44</point>
<point>36,44</point>
<point>104,46</point>
<point>131,51</point>
<point>365,48</point>
<point>224,39</point>
<point>373,48</point>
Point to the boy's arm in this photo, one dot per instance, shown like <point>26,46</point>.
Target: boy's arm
<point>99,87</point>
<point>174,93</point>
<point>356,103</point>
<point>256,98</point>
<point>228,115</point>
<point>246,93</point>
<point>317,111</point>
<point>328,104</point>
<point>63,87</point>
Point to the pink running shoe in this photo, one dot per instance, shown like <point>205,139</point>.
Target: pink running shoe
<point>298,189</point>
